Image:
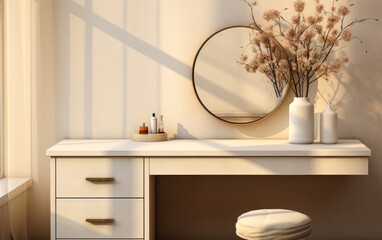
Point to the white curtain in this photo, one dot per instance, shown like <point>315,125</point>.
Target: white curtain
<point>17,111</point>
<point>18,216</point>
<point>5,228</point>
<point>17,77</point>
<point>13,218</point>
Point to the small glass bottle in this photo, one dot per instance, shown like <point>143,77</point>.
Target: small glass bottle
<point>143,129</point>
<point>161,125</point>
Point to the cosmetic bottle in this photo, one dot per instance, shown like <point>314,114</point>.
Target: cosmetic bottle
<point>143,129</point>
<point>161,125</point>
<point>154,128</point>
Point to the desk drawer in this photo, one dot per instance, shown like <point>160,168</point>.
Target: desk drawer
<point>99,177</point>
<point>127,216</point>
<point>277,165</point>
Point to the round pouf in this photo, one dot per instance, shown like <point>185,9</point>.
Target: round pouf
<point>270,224</point>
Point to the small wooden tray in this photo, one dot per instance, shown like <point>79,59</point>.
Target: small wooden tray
<point>157,137</point>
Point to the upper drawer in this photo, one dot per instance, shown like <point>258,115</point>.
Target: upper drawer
<point>71,175</point>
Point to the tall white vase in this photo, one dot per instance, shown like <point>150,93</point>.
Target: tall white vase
<point>301,121</point>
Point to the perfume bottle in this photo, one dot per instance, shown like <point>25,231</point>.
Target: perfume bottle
<point>161,125</point>
<point>143,129</point>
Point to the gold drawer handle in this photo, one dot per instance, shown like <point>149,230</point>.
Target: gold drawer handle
<point>99,179</point>
<point>100,220</point>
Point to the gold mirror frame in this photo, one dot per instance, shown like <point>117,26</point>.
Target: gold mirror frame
<point>196,93</point>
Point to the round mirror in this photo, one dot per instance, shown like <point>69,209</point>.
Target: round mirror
<point>236,75</point>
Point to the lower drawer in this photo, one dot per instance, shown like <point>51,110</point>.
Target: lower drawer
<point>99,218</point>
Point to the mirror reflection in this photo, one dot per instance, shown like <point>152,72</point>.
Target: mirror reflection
<point>231,79</point>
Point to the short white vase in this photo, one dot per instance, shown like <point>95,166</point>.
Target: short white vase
<point>328,126</point>
<point>301,121</point>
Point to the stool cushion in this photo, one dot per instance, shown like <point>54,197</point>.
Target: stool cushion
<point>273,224</point>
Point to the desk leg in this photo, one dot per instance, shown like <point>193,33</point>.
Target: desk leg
<point>149,196</point>
<point>52,198</point>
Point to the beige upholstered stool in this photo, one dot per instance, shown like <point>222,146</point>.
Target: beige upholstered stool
<point>267,224</point>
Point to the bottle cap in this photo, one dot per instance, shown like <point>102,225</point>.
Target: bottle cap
<point>153,114</point>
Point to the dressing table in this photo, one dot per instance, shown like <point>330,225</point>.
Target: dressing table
<point>105,188</point>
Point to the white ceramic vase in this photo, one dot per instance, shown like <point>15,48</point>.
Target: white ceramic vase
<point>301,121</point>
<point>328,126</point>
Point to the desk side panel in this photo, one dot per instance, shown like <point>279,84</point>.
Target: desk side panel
<point>149,196</point>
<point>52,198</point>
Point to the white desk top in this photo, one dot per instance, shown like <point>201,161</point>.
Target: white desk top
<point>205,147</point>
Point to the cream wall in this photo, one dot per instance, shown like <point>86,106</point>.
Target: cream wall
<point>116,62</point>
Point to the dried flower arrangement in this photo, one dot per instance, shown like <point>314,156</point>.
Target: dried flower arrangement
<point>309,41</point>
<point>269,58</point>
